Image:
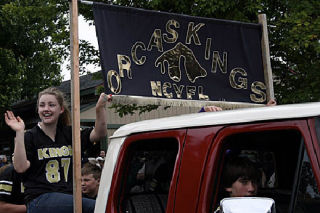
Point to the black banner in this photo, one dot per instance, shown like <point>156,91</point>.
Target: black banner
<point>157,54</point>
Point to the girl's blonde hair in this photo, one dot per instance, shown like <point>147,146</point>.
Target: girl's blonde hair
<point>65,117</point>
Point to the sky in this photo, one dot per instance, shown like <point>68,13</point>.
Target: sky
<point>88,33</point>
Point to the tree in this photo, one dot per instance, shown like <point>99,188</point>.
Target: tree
<point>34,43</point>
<point>295,48</point>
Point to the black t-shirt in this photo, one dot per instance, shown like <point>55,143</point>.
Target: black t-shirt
<point>50,161</point>
<point>11,188</point>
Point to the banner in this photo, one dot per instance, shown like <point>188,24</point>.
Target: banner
<point>172,56</point>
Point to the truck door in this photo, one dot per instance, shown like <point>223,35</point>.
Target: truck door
<point>284,154</point>
<point>146,173</point>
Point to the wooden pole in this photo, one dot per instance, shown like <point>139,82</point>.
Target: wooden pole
<point>266,56</point>
<point>75,103</point>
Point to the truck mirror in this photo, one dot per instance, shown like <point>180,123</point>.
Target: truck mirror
<point>248,205</point>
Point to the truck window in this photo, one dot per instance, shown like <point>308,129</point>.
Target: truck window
<point>308,197</point>
<point>285,171</point>
<point>148,177</point>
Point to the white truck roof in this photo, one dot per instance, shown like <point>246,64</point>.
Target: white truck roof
<point>244,115</point>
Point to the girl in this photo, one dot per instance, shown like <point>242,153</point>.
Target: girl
<point>44,154</point>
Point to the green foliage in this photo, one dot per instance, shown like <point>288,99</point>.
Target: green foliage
<point>123,110</point>
<point>296,50</point>
<point>30,48</point>
<point>34,42</point>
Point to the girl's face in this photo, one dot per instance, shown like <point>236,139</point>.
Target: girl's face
<point>49,109</point>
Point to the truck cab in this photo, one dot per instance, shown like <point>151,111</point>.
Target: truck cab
<point>174,164</point>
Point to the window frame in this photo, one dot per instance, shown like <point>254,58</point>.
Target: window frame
<point>314,125</point>
<point>117,191</point>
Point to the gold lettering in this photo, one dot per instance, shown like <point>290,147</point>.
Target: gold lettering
<point>70,150</point>
<point>134,48</point>
<point>178,90</point>
<point>53,152</point>
<point>201,95</point>
<point>65,151</point>
<point>171,31</point>
<point>124,63</point>
<point>255,89</point>
<point>60,152</point>
<point>192,33</point>
<point>156,88</point>
<point>113,89</point>
<point>243,81</point>
<point>42,153</point>
<point>217,61</point>
<point>156,41</point>
<point>208,47</point>
<point>191,91</point>
<point>165,87</point>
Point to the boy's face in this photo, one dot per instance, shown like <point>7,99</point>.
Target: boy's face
<point>242,188</point>
<point>90,185</point>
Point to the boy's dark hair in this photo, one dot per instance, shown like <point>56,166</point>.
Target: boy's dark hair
<point>89,168</point>
<point>240,167</point>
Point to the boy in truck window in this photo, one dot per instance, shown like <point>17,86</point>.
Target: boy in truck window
<point>240,178</point>
<point>90,179</point>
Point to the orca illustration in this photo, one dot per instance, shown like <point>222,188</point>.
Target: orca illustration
<point>173,56</point>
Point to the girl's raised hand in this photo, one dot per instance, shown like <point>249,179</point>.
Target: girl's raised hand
<point>15,123</point>
<point>103,99</point>
<point>212,108</point>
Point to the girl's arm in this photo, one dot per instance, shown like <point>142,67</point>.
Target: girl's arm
<point>13,208</point>
<point>20,162</point>
<point>100,127</point>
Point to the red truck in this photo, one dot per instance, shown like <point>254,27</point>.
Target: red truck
<point>174,164</point>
